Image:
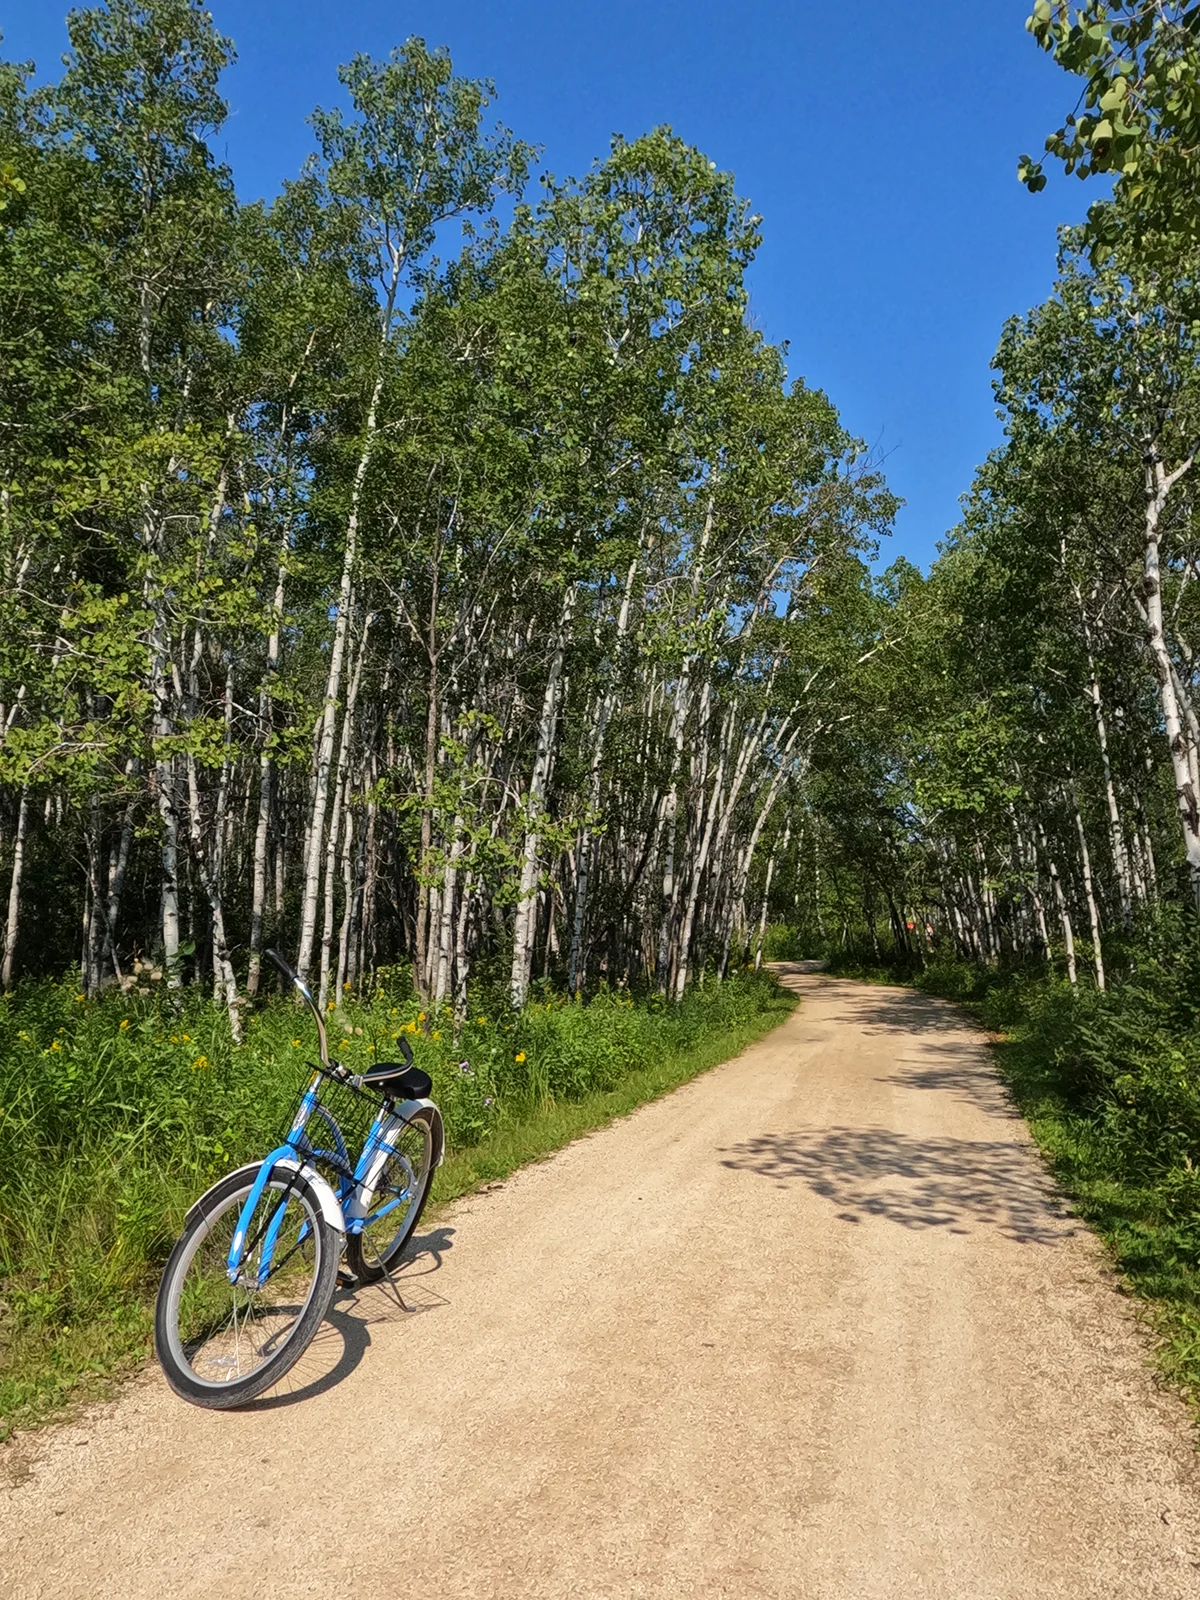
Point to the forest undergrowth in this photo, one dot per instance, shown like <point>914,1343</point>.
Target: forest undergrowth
<point>1109,1083</point>
<point>117,1112</point>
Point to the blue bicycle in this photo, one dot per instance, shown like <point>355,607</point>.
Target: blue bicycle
<point>256,1267</point>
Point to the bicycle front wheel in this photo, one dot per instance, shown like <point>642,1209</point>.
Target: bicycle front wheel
<point>223,1343</point>
<point>395,1201</point>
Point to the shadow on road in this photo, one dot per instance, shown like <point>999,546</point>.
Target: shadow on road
<point>345,1336</point>
<point>955,1184</point>
<point>881,1011</point>
<point>969,1082</point>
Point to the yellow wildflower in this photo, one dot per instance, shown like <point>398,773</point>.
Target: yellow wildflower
<point>295,1044</point>
<point>481,1022</point>
<point>420,1016</point>
<point>520,1056</point>
<point>199,1064</point>
<point>54,1045</point>
<point>124,1022</point>
<point>436,1034</point>
<point>80,997</point>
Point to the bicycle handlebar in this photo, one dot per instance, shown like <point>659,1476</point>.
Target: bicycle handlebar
<point>312,1005</point>
<point>293,977</point>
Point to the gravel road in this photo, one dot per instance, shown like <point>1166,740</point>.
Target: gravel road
<point>814,1326</point>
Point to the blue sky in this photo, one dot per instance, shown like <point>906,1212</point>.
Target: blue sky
<point>878,140</point>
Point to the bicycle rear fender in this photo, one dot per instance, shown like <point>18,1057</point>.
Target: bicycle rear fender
<point>410,1107</point>
<point>367,1177</point>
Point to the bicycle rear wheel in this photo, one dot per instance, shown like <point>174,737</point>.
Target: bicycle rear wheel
<point>221,1343</point>
<point>395,1201</point>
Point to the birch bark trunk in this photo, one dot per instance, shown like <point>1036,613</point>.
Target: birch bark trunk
<point>1159,484</point>
<point>766,899</point>
<point>12,926</point>
<point>445,950</point>
<point>526,913</point>
<point>1085,860</point>
<point>327,725</point>
<point>340,805</point>
<point>1060,901</point>
<point>604,712</point>
<point>266,776</point>
<point>1116,830</point>
<point>696,878</point>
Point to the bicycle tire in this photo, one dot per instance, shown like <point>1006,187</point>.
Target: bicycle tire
<point>209,1332</point>
<point>369,1257</point>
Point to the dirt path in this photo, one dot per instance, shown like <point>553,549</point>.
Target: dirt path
<point>814,1326</point>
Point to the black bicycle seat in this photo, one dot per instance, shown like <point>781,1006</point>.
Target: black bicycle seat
<point>396,1079</point>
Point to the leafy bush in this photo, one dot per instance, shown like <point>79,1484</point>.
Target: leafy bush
<point>954,979</point>
<point>116,1113</point>
<point>781,943</point>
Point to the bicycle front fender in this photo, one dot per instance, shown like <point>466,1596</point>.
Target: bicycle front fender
<point>331,1206</point>
<point>280,1159</point>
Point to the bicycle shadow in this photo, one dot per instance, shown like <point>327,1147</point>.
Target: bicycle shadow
<point>344,1338</point>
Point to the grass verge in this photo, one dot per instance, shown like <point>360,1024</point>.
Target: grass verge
<point>1109,1084</point>
<point>1148,1226</point>
<point>115,1114</point>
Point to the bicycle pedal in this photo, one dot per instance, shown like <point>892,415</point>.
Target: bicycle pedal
<point>346,1280</point>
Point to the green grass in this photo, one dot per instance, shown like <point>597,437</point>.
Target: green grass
<point>116,1113</point>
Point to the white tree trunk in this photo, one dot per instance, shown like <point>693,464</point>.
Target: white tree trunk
<point>266,779</point>
<point>13,923</point>
<point>327,724</point>
<point>526,910</point>
<point>1060,901</point>
<point>584,853</point>
<point>1089,892</point>
<point>1116,831</point>
<point>1159,484</point>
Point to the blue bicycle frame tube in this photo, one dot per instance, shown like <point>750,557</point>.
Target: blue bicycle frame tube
<point>233,1263</point>
<point>234,1259</point>
<point>379,1140</point>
